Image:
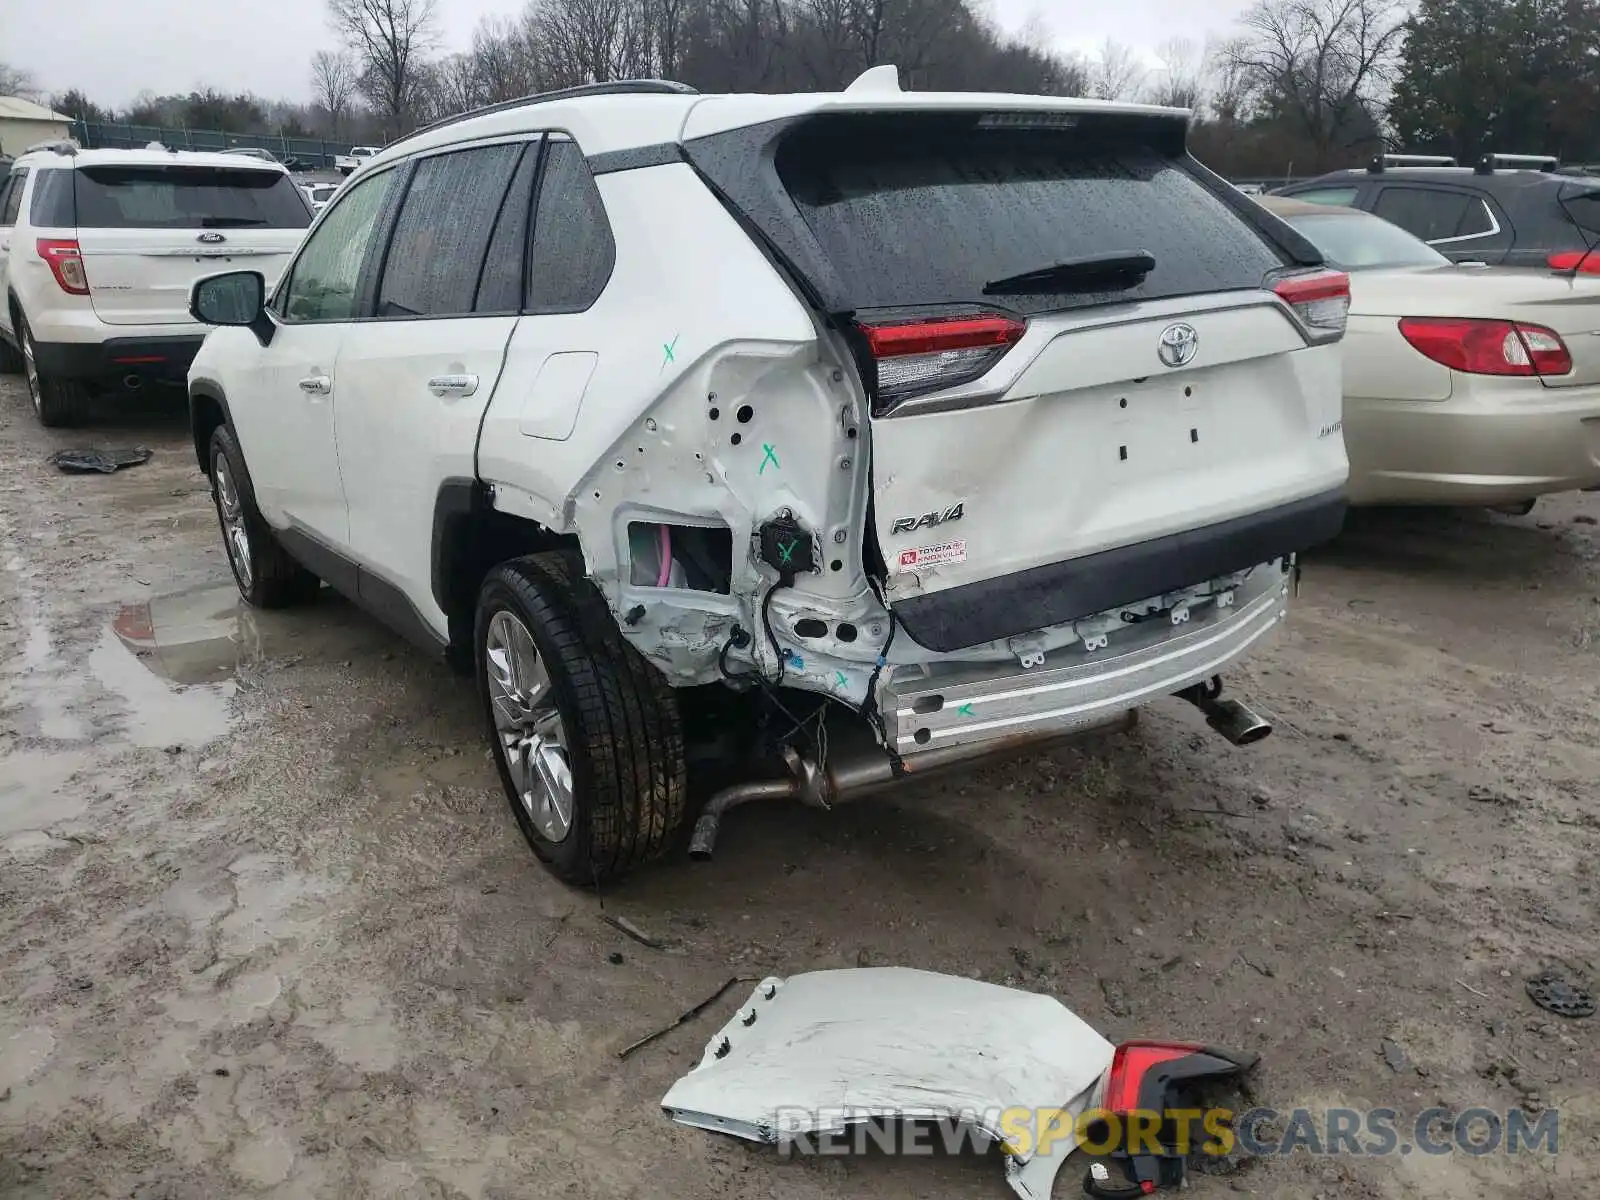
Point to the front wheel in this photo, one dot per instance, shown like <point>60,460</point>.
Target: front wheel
<point>586,734</point>
<point>266,575</point>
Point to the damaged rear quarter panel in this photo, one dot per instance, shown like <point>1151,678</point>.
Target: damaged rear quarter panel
<point>709,404</point>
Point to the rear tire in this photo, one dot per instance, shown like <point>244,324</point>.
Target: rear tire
<point>266,575</point>
<point>586,734</point>
<point>58,403</point>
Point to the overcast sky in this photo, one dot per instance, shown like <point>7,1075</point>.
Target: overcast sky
<point>114,49</point>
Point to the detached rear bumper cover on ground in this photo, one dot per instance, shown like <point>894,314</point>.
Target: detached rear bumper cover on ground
<point>1053,594</point>
<point>893,1043</point>
<point>153,359</point>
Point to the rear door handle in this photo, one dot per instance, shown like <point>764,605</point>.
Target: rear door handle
<point>316,385</point>
<point>453,385</point>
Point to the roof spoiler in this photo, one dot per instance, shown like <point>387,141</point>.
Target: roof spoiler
<point>55,146</point>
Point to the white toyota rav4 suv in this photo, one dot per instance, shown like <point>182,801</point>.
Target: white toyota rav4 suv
<point>783,446</point>
<point>99,248</point>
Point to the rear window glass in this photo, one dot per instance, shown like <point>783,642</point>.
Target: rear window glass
<point>1358,242</point>
<point>162,197</point>
<point>917,212</point>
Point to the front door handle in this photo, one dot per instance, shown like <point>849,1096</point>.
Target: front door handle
<point>316,385</point>
<point>453,385</point>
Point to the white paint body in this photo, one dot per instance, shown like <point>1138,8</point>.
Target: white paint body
<point>139,278</point>
<point>817,1052</point>
<point>631,412</point>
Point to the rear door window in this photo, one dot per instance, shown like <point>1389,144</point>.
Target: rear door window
<point>441,237</point>
<point>921,211</point>
<point>11,196</point>
<point>187,197</point>
<point>1427,213</point>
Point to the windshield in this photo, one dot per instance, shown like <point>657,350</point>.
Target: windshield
<point>1358,242</point>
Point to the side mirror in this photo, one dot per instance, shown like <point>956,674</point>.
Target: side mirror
<point>235,298</point>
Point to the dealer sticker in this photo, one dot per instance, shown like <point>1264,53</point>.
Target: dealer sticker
<point>953,551</point>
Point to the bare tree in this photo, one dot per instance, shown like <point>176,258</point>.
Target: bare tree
<point>591,41</point>
<point>1323,66</point>
<point>1226,80</point>
<point>1179,82</point>
<point>1118,74</point>
<point>505,58</point>
<point>333,85</point>
<point>14,81</point>
<point>390,39</point>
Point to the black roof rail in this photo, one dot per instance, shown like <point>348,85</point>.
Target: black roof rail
<point>1534,162</point>
<point>618,87</point>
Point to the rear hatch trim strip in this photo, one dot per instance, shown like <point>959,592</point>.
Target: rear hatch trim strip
<point>989,610</point>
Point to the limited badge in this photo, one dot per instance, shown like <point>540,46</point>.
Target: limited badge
<point>953,551</point>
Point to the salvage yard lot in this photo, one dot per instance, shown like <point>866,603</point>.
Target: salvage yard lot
<point>275,933</point>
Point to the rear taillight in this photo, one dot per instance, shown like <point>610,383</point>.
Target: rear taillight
<point>932,353</point>
<point>1131,1062</point>
<point>1320,299</point>
<point>1485,347</point>
<point>1585,262</point>
<point>66,264</point>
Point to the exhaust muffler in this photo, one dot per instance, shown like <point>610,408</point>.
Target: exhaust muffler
<point>849,777</point>
<point>1237,722</point>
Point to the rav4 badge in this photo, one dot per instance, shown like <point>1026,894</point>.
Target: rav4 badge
<point>926,520</point>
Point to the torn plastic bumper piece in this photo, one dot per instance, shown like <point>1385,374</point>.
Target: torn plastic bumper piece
<point>1141,1085</point>
<point>821,1051</point>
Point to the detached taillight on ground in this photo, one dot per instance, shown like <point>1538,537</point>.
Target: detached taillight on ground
<point>1141,1093</point>
<point>931,353</point>
<point>1488,347</point>
<point>66,264</point>
<point>1321,299</point>
<point>1584,262</point>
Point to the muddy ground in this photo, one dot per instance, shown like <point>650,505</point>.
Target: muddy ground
<point>267,928</point>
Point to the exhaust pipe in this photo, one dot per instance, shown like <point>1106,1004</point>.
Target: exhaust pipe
<point>823,786</point>
<point>1237,722</point>
<point>132,382</point>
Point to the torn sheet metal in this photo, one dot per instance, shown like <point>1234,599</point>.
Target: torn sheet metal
<point>824,1050</point>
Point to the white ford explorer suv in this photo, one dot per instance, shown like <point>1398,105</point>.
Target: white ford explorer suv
<point>783,446</point>
<point>99,249</point>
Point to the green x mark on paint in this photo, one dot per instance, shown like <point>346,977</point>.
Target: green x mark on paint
<point>843,679</point>
<point>668,349</point>
<point>965,710</point>
<point>786,549</point>
<point>768,456</point>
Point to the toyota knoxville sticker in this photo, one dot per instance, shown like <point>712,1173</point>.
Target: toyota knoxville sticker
<point>953,551</point>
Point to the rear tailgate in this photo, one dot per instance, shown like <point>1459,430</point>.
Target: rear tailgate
<point>148,232</point>
<point>1023,432</point>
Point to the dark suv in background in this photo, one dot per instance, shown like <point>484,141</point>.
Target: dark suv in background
<point>1509,210</point>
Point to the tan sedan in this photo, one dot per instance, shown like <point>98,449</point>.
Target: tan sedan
<point>1462,384</point>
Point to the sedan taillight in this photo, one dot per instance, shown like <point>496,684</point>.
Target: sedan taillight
<point>1488,347</point>
<point>1583,262</point>
<point>66,264</point>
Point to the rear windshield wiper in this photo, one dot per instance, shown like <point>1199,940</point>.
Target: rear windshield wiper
<point>1120,269</point>
<point>229,222</point>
